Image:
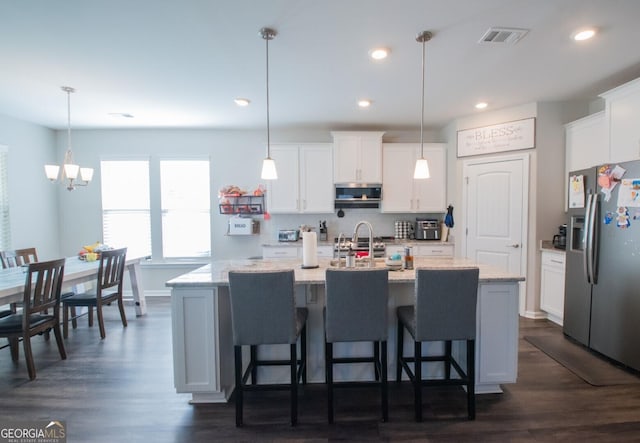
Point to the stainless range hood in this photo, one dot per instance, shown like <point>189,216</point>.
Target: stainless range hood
<point>358,195</point>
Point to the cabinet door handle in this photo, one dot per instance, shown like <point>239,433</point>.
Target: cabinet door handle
<point>304,204</point>
<point>515,246</point>
<point>417,204</point>
<point>560,262</point>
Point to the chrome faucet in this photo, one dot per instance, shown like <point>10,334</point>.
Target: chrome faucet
<point>344,240</point>
<point>355,240</point>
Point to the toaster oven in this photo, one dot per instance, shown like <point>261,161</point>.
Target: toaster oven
<point>427,229</point>
<point>288,235</point>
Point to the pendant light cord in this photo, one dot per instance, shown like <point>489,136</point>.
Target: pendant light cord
<point>422,113</point>
<point>68,120</point>
<point>268,135</point>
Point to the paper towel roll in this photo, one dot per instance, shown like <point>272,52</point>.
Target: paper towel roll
<point>309,249</point>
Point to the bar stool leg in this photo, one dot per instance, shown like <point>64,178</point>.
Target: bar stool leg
<point>329,364</point>
<point>294,384</point>
<point>400,345</point>
<point>238,394</point>
<point>376,359</point>
<point>253,350</point>
<point>303,353</point>
<point>417,382</point>
<point>471,373</point>
<point>448,358</point>
<point>383,383</point>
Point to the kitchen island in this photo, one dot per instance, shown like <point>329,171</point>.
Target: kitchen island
<point>203,342</point>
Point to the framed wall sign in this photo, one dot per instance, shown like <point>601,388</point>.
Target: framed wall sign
<point>509,136</point>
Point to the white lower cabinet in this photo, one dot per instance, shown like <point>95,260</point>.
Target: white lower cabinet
<point>293,251</point>
<point>552,285</point>
<point>281,252</point>
<point>433,250</point>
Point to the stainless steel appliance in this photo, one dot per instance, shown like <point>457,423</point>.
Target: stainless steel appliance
<point>358,195</point>
<point>602,284</point>
<point>288,235</point>
<point>361,245</point>
<point>427,229</point>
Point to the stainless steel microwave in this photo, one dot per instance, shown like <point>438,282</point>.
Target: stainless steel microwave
<point>358,195</point>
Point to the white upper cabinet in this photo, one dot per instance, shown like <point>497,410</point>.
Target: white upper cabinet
<point>622,111</point>
<point>304,183</point>
<point>357,157</point>
<point>586,142</point>
<point>400,191</point>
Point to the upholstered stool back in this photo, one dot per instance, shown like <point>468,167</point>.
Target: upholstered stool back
<point>356,306</point>
<point>263,307</point>
<point>445,303</point>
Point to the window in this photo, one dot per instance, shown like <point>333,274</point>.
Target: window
<point>158,208</point>
<point>186,208</point>
<point>126,209</point>
<point>5,227</point>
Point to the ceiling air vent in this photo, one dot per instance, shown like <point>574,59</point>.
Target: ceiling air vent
<point>503,35</point>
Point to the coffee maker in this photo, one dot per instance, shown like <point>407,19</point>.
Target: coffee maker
<point>560,239</point>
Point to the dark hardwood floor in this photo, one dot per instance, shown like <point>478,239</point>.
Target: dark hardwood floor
<point>121,390</point>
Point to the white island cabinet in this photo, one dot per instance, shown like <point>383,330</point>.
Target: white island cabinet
<point>202,335</point>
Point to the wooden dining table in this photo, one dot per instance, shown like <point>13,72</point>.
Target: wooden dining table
<point>76,271</point>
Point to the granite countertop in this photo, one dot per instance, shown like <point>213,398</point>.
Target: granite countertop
<point>217,272</point>
<point>547,246</point>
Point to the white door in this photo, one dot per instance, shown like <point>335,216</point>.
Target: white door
<point>496,202</point>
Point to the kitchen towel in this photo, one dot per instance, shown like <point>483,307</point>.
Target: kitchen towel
<point>309,250</point>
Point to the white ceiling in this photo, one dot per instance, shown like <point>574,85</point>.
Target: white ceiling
<point>181,63</point>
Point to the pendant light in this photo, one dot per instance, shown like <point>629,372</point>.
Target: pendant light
<point>268,165</point>
<point>422,166</point>
<point>70,170</point>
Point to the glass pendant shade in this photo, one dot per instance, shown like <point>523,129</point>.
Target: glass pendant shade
<point>71,171</point>
<point>269,169</point>
<point>52,171</point>
<point>422,169</point>
<point>86,174</point>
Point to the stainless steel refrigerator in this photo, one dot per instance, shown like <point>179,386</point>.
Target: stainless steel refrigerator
<point>602,281</point>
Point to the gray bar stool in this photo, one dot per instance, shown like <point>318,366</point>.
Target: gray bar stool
<point>444,310</point>
<point>263,312</point>
<point>356,310</point>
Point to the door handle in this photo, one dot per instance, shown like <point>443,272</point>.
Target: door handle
<point>516,246</point>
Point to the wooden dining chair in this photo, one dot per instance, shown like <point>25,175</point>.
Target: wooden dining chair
<point>108,289</point>
<point>18,257</point>
<point>14,258</point>
<point>42,290</point>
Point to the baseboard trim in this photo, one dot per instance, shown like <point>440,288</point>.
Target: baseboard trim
<point>536,315</point>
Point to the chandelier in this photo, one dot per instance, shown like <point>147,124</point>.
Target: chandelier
<point>70,170</point>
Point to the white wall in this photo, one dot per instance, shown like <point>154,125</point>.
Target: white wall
<point>546,177</point>
<point>236,158</point>
<point>33,199</point>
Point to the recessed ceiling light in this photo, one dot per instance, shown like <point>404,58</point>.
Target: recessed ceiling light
<point>583,34</point>
<point>242,101</point>
<point>481,105</point>
<point>379,53</point>
<point>364,103</point>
